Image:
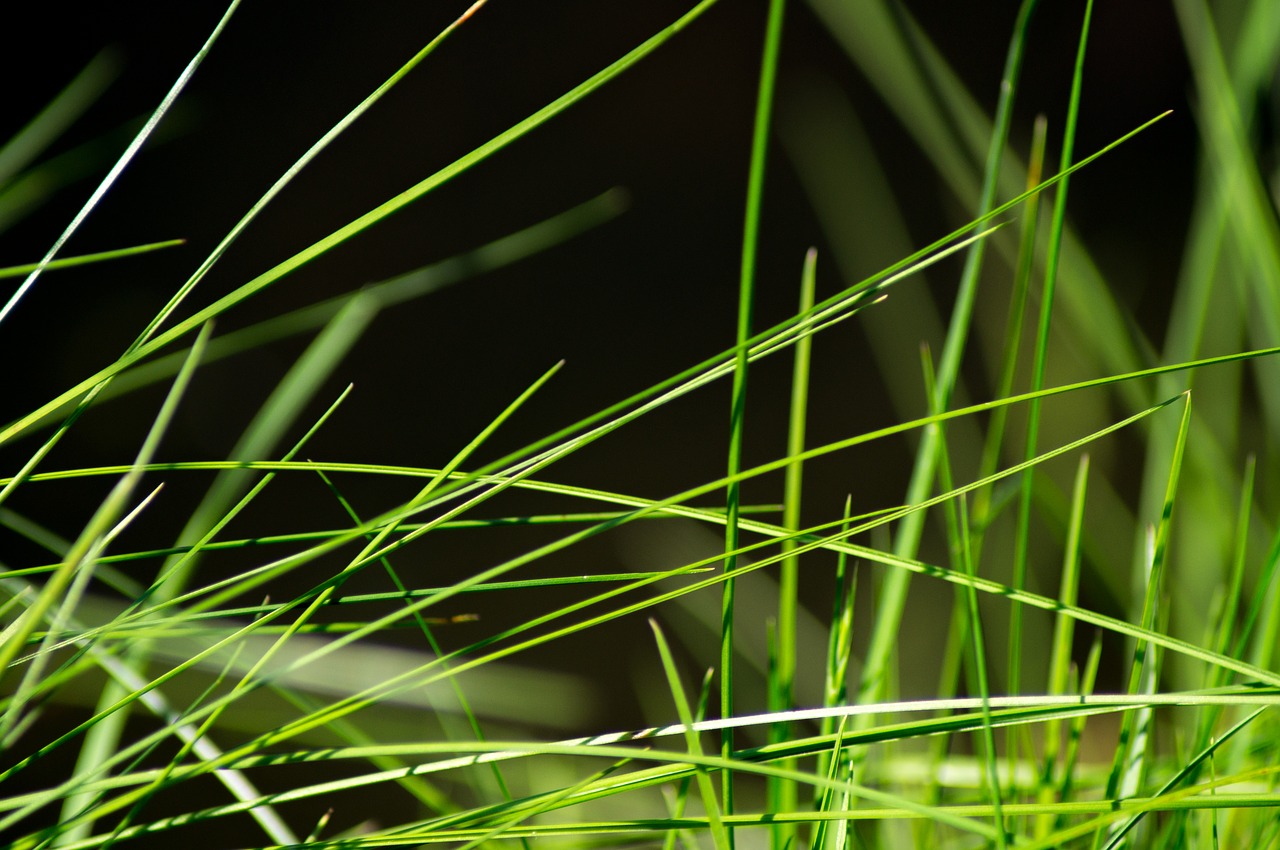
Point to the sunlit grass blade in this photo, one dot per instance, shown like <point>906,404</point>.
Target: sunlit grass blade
<point>783,798</point>
<point>287,177</point>
<point>1052,773</point>
<point>423,625</point>
<point>103,519</point>
<point>705,788</point>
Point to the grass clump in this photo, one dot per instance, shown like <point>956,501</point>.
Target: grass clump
<point>1061,633</point>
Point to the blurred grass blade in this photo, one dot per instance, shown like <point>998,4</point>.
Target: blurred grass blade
<point>73,101</point>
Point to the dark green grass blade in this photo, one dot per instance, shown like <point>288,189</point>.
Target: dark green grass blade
<point>737,413</point>
<point>1056,230</point>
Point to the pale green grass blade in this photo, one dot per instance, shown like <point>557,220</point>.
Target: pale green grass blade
<point>836,766</point>
<point>116,170</point>
<point>892,598</point>
<point>1131,753</point>
<point>705,788</point>
<point>1059,672</point>
<point>1223,639</point>
<point>1256,228</point>
<point>266,814</point>
<point>840,639</point>
<point>1088,679</point>
<point>784,798</point>
<point>1190,769</point>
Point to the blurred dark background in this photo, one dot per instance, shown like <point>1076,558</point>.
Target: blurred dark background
<point>629,302</point>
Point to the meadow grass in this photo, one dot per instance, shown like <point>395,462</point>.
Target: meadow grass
<point>1100,663</point>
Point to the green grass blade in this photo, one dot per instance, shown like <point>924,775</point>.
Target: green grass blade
<point>1063,637</point>
<point>737,412</point>
<point>277,415</point>
<point>1056,230</point>
<point>108,512</point>
<point>893,594</point>
<point>961,546</point>
<point>783,798</point>
<point>1013,328</point>
<point>708,792</point>
<point>87,259</point>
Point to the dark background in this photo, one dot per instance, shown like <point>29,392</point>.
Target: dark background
<point>625,305</point>
<point>633,301</point>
